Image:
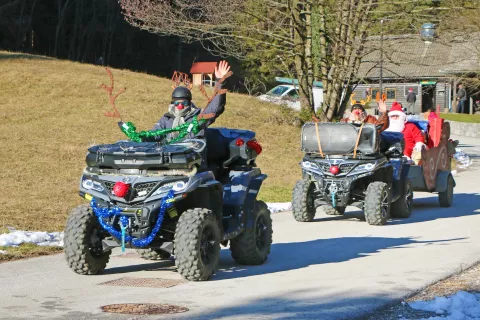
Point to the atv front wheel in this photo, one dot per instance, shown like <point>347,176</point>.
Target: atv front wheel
<point>331,211</point>
<point>402,208</point>
<point>153,254</point>
<point>83,242</point>
<point>197,244</point>
<point>377,203</point>
<point>252,246</point>
<point>303,202</point>
<point>445,198</point>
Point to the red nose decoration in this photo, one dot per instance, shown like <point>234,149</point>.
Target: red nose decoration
<point>334,170</point>
<point>120,189</point>
<point>240,142</point>
<point>253,144</point>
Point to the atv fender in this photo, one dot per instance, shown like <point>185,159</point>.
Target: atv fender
<point>242,192</point>
<point>250,201</point>
<point>442,181</point>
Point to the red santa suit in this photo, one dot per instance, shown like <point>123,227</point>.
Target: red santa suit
<point>413,136</point>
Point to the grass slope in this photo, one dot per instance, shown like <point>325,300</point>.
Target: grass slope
<point>471,118</point>
<point>52,110</point>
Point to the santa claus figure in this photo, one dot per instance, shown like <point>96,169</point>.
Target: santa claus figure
<point>414,140</point>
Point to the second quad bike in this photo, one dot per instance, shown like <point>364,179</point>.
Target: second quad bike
<point>346,164</point>
<point>165,200</point>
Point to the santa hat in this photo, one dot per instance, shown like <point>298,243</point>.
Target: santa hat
<point>397,110</point>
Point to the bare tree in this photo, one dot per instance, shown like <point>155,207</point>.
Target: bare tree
<point>310,39</point>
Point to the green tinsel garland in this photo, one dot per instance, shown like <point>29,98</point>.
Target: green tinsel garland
<point>184,129</point>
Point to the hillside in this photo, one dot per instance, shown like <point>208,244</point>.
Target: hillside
<point>52,110</point>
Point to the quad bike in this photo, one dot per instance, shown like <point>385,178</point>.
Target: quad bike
<point>345,164</point>
<point>432,172</point>
<point>162,200</point>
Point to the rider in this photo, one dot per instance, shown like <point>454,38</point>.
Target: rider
<point>414,140</point>
<point>358,115</point>
<point>183,110</point>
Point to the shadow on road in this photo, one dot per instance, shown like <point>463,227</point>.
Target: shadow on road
<point>424,209</point>
<point>428,209</point>
<point>298,255</point>
<point>167,266</point>
<point>300,304</point>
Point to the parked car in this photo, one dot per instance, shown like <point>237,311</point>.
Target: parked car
<point>287,93</point>
<point>283,94</point>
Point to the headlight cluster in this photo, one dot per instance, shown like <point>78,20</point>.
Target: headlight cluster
<point>92,185</point>
<point>177,186</point>
<point>364,167</point>
<point>310,165</point>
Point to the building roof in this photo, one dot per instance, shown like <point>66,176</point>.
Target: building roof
<point>203,67</point>
<point>409,57</point>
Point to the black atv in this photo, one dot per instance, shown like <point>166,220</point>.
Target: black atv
<point>163,201</point>
<point>345,164</point>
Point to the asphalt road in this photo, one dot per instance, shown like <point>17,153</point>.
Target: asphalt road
<point>332,268</point>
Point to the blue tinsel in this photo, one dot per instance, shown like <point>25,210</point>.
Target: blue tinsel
<point>106,213</point>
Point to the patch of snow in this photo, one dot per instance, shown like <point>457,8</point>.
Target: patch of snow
<point>3,252</point>
<point>41,238</point>
<point>462,160</point>
<point>279,206</point>
<point>460,306</point>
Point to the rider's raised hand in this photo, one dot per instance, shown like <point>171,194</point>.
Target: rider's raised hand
<point>222,69</point>
<point>382,106</point>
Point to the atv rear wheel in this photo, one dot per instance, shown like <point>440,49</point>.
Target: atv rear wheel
<point>303,201</point>
<point>331,211</point>
<point>83,242</point>
<point>252,246</point>
<point>153,254</point>
<point>197,244</point>
<point>402,208</point>
<point>445,198</point>
<point>377,203</point>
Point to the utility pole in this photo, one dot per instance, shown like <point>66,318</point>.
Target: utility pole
<point>381,62</point>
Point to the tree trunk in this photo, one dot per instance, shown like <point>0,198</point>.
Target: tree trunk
<point>61,18</point>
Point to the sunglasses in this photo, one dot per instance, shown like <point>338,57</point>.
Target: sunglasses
<point>179,102</point>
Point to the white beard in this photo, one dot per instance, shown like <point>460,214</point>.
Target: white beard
<point>396,125</point>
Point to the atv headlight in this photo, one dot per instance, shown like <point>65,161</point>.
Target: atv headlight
<point>177,186</point>
<point>364,167</point>
<point>309,165</point>
<point>92,185</point>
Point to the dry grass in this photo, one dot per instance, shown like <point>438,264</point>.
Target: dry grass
<point>52,110</point>
<point>27,250</point>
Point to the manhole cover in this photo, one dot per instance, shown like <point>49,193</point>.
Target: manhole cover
<point>144,282</point>
<point>143,308</point>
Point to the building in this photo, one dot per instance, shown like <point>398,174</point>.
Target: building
<point>203,73</point>
<point>429,68</point>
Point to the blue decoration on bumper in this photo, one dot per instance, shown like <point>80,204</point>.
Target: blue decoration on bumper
<point>101,213</point>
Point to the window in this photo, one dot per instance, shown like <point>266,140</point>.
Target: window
<point>278,91</point>
<point>391,93</point>
<point>374,93</point>
<point>293,94</point>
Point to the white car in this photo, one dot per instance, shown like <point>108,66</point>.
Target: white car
<point>283,94</point>
<point>288,94</point>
